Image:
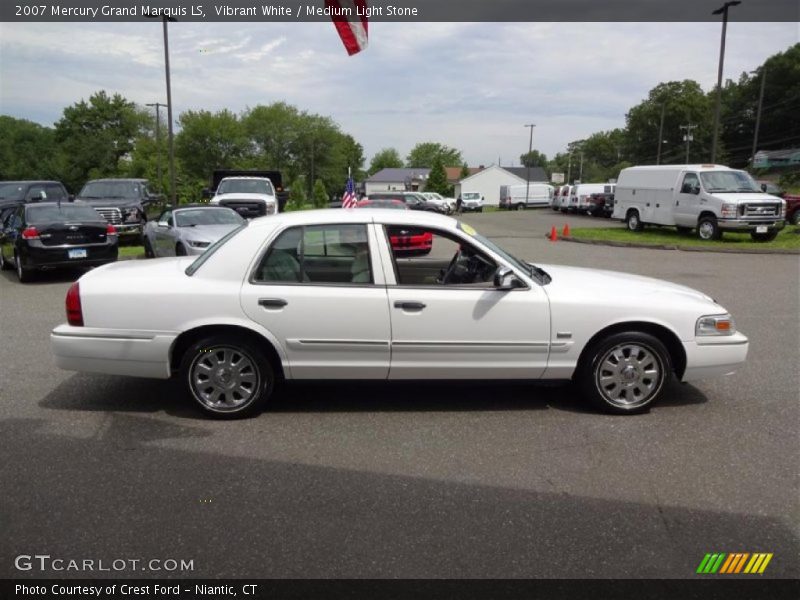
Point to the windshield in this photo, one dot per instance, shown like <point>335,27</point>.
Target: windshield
<point>471,196</point>
<point>192,268</point>
<point>246,186</point>
<point>112,189</point>
<point>11,191</point>
<point>728,181</point>
<point>55,214</point>
<point>206,216</point>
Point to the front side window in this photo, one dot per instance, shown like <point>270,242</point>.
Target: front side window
<point>318,254</point>
<point>425,257</point>
<point>690,182</point>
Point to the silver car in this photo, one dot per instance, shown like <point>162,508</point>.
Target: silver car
<point>188,230</point>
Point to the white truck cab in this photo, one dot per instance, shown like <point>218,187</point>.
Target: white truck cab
<point>708,198</point>
<point>249,196</point>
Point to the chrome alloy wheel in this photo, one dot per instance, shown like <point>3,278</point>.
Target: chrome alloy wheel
<point>706,230</point>
<point>223,378</point>
<point>629,375</point>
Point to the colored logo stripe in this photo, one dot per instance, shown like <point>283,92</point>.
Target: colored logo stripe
<point>723,563</point>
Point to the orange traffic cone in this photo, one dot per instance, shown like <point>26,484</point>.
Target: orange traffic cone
<point>553,235</point>
<point>565,231</point>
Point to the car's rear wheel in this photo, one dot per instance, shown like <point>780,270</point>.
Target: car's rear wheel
<point>226,377</point>
<point>148,249</point>
<point>796,218</point>
<point>633,222</point>
<point>23,274</point>
<point>625,372</point>
<point>520,206</point>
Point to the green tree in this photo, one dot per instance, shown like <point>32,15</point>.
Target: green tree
<point>297,195</point>
<point>94,136</point>
<point>464,171</point>
<point>534,158</point>
<point>320,194</point>
<point>387,158</point>
<point>27,150</point>
<point>273,130</point>
<point>423,154</point>
<point>209,141</point>
<point>437,178</point>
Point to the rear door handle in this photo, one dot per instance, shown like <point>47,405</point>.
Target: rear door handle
<point>409,305</point>
<point>272,302</point>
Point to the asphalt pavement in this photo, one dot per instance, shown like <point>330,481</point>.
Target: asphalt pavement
<point>412,480</point>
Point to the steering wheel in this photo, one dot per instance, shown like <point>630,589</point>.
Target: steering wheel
<point>451,268</point>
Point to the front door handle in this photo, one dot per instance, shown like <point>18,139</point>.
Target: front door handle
<point>272,302</point>
<point>409,305</point>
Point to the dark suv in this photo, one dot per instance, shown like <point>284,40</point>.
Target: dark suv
<point>414,200</point>
<point>13,193</point>
<point>122,202</point>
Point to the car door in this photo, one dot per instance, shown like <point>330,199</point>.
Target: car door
<point>450,321</point>
<point>320,290</point>
<point>164,235</point>
<point>687,203</point>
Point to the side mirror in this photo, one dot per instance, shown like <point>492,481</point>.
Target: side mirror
<point>504,279</point>
<point>71,198</point>
<point>696,190</point>
<point>764,187</point>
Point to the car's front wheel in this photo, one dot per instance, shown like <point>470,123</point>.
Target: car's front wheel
<point>226,377</point>
<point>624,373</point>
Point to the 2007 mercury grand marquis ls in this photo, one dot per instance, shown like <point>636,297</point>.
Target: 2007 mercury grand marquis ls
<point>324,295</point>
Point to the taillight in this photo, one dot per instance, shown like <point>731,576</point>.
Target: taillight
<point>74,311</point>
<point>30,233</point>
<point>111,230</point>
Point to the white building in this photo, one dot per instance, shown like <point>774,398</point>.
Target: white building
<point>488,181</point>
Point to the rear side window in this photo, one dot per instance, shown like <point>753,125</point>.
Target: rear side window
<point>318,254</point>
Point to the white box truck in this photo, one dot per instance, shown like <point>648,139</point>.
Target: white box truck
<point>521,196</point>
<point>708,198</point>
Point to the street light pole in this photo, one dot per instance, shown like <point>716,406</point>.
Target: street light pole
<point>661,134</point>
<point>158,105</point>
<point>723,10</point>
<point>758,114</point>
<point>528,176</point>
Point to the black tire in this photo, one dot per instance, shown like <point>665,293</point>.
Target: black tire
<point>764,237</point>
<point>4,266</point>
<point>148,249</point>
<point>24,275</point>
<point>633,221</point>
<point>180,250</point>
<point>480,209</point>
<point>520,206</point>
<point>684,230</point>
<point>708,228</point>
<point>239,394</point>
<point>624,373</point>
<point>795,220</point>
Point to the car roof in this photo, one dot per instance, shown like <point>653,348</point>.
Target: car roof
<point>356,215</point>
<point>30,181</point>
<point>197,205</point>
<point>112,179</point>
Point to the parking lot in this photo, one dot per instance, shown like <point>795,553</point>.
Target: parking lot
<point>412,480</point>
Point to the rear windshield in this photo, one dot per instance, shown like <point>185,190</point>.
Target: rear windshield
<point>206,216</point>
<point>112,189</point>
<point>67,212</point>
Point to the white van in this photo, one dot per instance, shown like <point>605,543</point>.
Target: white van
<point>708,198</point>
<point>566,197</point>
<point>555,202</point>
<point>514,196</point>
<point>580,197</point>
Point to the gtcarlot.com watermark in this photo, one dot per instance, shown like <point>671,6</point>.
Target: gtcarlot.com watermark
<point>46,563</point>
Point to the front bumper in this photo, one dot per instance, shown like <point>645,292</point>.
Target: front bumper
<point>714,356</point>
<point>112,351</point>
<point>749,225</point>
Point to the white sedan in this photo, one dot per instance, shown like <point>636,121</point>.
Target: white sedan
<point>322,295</point>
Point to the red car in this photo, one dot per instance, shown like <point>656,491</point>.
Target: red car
<point>381,203</point>
<point>412,242</point>
<point>792,209</point>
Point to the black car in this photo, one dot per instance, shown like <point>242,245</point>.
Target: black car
<point>13,193</point>
<point>122,202</point>
<point>49,235</point>
<point>414,200</point>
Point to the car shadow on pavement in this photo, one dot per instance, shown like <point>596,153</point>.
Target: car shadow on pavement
<point>45,277</point>
<point>95,392</point>
<point>243,516</point>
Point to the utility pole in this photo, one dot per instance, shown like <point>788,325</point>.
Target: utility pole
<point>723,10</point>
<point>661,134</point>
<point>569,170</point>
<point>158,105</point>
<point>688,137</point>
<point>758,114</point>
<point>528,176</point>
<point>580,173</point>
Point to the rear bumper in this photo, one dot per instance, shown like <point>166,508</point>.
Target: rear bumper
<point>115,352</point>
<point>38,257</point>
<point>714,356</point>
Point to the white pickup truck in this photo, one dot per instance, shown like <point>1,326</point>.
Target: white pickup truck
<point>249,196</point>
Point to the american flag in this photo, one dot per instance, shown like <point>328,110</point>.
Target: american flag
<point>352,29</point>
<point>349,198</point>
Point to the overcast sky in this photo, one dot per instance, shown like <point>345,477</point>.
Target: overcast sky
<point>470,86</point>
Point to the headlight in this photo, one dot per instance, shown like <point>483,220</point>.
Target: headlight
<point>715,325</point>
<point>728,211</point>
<point>196,244</point>
<point>783,209</point>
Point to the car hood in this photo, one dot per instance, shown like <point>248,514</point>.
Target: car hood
<point>206,233</point>
<point>116,202</point>
<point>220,197</point>
<point>599,283</point>
<point>745,197</point>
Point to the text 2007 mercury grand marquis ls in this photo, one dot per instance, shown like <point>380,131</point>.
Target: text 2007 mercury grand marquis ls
<point>322,295</point>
